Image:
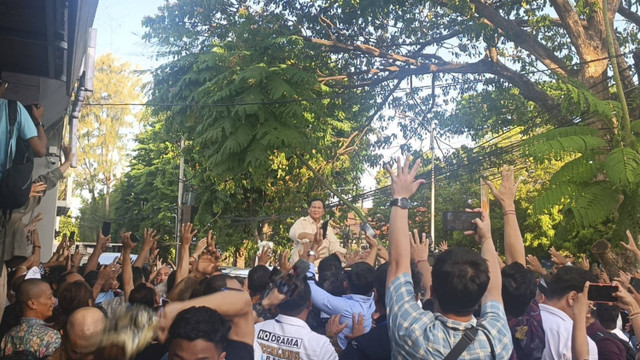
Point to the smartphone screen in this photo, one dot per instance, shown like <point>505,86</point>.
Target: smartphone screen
<point>368,230</point>
<point>72,236</point>
<point>459,221</point>
<point>106,228</point>
<point>602,293</point>
<point>134,238</point>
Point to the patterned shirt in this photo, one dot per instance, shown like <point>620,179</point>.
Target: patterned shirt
<point>419,334</point>
<point>527,334</point>
<point>32,335</point>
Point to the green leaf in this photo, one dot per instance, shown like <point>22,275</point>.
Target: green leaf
<point>622,166</point>
<point>594,203</point>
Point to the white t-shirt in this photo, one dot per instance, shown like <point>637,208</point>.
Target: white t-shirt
<point>287,337</point>
<point>558,328</point>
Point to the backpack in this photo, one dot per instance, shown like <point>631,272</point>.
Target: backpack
<point>15,185</point>
<point>631,354</point>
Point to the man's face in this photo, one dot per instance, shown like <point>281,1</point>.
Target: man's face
<point>79,347</point>
<point>194,350</point>
<point>45,302</point>
<point>316,210</point>
<point>162,275</point>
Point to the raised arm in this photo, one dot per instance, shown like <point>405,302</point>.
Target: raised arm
<point>101,244</point>
<point>488,251</point>
<point>420,257</point>
<point>403,185</point>
<point>149,239</point>
<point>579,342</point>
<point>373,250</point>
<point>186,235</point>
<point>506,194</point>
<point>127,271</point>
<point>38,143</point>
<point>235,306</point>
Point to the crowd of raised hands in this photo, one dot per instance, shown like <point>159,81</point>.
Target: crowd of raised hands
<point>375,303</point>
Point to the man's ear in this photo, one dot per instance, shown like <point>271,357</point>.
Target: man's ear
<point>571,297</point>
<point>223,356</point>
<point>31,304</point>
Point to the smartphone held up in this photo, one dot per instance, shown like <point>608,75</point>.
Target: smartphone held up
<point>602,293</point>
<point>459,221</point>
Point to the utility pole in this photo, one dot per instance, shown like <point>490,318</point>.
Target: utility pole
<point>180,191</point>
<point>432,228</point>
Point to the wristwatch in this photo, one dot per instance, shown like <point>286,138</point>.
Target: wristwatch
<point>39,123</point>
<point>312,253</point>
<point>402,203</point>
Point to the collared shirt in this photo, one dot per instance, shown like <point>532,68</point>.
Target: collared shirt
<point>329,245</point>
<point>558,328</point>
<point>31,335</point>
<point>104,296</point>
<point>421,334</point>
<point>24,129</point>
<point>287,337</point>
<point>527,334</point>
<point>345,306</point>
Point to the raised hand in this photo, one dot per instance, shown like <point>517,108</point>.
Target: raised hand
<point>483,227</point>
<point>444,246</point>
<point>631,246</point>
<point>623,279</point>
<point>535,266</point>
<point>37,189</point>
<point>403,183</point>
<point>419,246</point>
<point>265,256</point>
<point>186,234</point>
<point>202,244</point>
<point>584,264</point>
<point>507,191</point>
<point>284,265</point>
<point>150,238</point>
<point>557,258</point>
<point>383,253</point>
<point>127,244</point>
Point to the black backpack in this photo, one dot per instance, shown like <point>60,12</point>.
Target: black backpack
<point>631,353</point>
<point>15,185</point>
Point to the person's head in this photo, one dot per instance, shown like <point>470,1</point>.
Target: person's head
<point>66,278</point>
<point>299,303</point>
<point>144,295</point>
<point>316,209</point>
<point>82,333</point>
<point>565,285</point>
<point>607,315</point>
<point>73,296</point>
<point>218,282</point>
<point>36,299</point>
<point>460,278</point>
<point>360,279</point>
<point>198,333</point>
<point>380,287</point>
<point>258,280</point>
<point>162,275</point>
<point>328,267</point>
<point>518,289</point>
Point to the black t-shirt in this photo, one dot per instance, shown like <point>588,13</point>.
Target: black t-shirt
<point>237,350</point>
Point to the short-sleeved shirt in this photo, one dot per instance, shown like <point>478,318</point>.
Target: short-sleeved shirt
<point>25,129</point>
<point>31,335</point>
<point>421,334</point>
<point>558,328</point>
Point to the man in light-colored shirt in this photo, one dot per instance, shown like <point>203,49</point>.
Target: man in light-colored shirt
<point>304,229</point>
<point>557,313</point>
<point>288,336</point>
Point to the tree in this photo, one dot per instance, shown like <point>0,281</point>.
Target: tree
<point>103,130</point>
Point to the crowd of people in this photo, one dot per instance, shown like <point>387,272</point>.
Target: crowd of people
<point>404,302</point>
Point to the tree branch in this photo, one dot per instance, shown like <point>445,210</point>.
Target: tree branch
<point>523,38</point>
<point>629,15</point>
<point>572,26</point>
<point>361,48</point>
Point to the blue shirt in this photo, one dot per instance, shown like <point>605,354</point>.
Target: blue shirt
<point>345,306</point>
<point>25,129</point>
<point>420,334</point>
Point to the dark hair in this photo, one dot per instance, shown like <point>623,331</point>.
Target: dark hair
<point>297,302</point>
<point>91,277</point>
<point>360,278</point>
<point>314,200</point>
<point>214,284</point>
<point>460,279</point>
<point>258,280</point>
<point>334,283</point>
<point>607,315</point>
<point>568,279</point>
<point>144,295</point>
<point>200,323</point>
<point>380,283</point>
<point>71,297</point>
<point>51,277</point>
<point>171,281</point>
<point>518,289</point>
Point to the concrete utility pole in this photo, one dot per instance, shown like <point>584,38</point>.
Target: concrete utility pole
<point>180,191</point>
<point>432,228</point>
